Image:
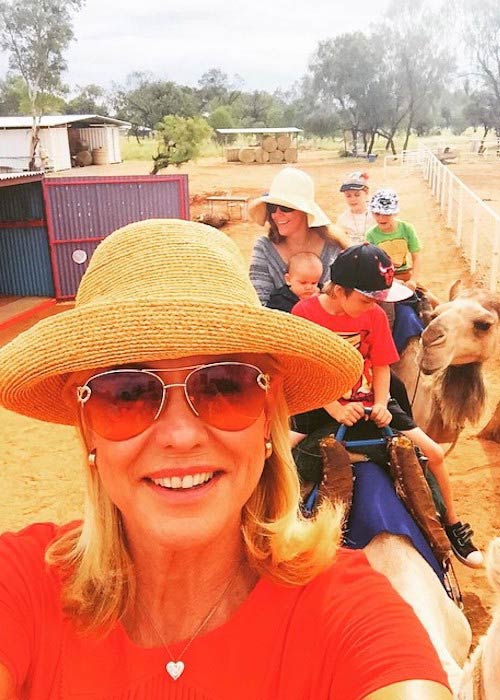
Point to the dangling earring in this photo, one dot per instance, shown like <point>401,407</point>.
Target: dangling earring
<point>91,459</point>
<point>269,449</point>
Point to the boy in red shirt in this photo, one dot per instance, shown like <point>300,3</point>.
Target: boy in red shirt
<point>361,276</point>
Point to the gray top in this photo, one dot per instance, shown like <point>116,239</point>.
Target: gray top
<point>267,267</point>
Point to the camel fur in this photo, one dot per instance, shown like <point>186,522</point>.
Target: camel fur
<point>481,675</point>
<point>443,370</point>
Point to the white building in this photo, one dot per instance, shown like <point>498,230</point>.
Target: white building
<point>57,134</point>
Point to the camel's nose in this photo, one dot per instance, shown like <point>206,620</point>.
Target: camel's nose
<point>434,334</point>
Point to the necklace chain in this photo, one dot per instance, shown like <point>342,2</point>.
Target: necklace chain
<point>176,667</point>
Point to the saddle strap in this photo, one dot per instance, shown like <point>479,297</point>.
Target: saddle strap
<point>411,486</point>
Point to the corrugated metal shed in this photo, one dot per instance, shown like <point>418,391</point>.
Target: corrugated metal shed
<point>266,130</point>
<point>83,211</point>
<point>25,265</point>
<point>8,179</point>
<point>23,122</point>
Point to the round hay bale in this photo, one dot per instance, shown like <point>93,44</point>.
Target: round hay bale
<point>232,155</point>
<point>291,155</point>
<point>100,156</point>
<point>269,144</point>
<point>276,157</point>
<point>83,158</point>
<point>246,155</point>
<point>261,156</point>
<point>284,142</point>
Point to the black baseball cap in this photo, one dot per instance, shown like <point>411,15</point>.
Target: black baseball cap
<point>367,269</point>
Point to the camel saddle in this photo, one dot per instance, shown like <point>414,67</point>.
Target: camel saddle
<point>409,482</point>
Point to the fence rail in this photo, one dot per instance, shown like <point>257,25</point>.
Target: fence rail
<point>476,225</point>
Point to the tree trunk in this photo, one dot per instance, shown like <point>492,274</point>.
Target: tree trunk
<point>35,140</point>
<point>372,142</point>
<point>408,134</point>
<point>491,431</point>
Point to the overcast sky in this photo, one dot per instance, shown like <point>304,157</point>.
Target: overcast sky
<point>267,42</point>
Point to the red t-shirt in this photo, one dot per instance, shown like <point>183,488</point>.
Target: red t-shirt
<point>369,333</point>
<point>341,637</point>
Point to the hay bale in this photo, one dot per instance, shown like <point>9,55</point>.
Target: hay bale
<point>276,157</point>
<point>290,155</point>
<point>232,155</point>
<point>246,155</point>
<point>100,156</point>
<point>269,144</point>
<point>284,142</point>
<point>83,158</point>
<point>261,156</point>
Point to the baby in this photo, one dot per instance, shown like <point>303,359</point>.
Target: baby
<point>304,270</point>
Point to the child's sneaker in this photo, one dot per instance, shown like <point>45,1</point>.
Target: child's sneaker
<point>460,536</point>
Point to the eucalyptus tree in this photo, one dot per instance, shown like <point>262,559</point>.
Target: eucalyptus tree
<point>35,34</point>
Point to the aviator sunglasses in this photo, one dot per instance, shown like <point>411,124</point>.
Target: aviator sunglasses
<point>273,208</point>
<point>122,403</point>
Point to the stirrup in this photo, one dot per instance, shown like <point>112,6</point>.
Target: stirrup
<point>451,584</point>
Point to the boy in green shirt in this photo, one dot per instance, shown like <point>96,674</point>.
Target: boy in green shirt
<point>397,238</point>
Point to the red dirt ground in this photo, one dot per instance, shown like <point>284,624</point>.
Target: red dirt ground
<point>40,464</point>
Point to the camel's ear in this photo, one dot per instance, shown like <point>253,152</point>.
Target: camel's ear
<point>455,290</point>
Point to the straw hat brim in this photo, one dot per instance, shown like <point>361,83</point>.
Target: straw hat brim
<point>316,364</point>
<point>257,210</point>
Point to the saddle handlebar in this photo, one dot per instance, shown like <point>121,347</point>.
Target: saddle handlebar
<point>386,433</point>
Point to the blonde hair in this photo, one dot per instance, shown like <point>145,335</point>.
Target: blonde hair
<point>97,570</point>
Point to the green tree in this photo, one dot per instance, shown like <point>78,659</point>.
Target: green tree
<point>343,71</point>
<point>481,36</point>
<point>217,90</point>
<point>144,100</point>
<point>221,118</point>
<point>35,34</point>
<point>179,140</point>
<point>421,61</point>
<point>91,99</point>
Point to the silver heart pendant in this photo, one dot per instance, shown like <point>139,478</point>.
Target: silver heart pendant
<point>175,669</point>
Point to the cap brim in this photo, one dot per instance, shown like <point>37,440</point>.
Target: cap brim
<point>396,292</point>
<point>354,186</point>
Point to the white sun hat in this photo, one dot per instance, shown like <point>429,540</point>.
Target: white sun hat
<point>291,188</point>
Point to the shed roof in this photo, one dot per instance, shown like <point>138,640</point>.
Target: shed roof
<point>266,130</point>
<point>59,120</point>
<point>7,179</point>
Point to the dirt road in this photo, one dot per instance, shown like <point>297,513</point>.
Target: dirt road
<point>40,465</point>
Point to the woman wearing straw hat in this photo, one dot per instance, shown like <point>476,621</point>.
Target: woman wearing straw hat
<point>191,574</point>
<point>296,225</point>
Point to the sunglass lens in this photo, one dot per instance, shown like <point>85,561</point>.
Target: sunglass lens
<point>273,208</point>
<point>122,404</point>
<point>226,396</point>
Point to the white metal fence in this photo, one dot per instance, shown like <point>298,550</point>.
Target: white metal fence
<point>476,225</point>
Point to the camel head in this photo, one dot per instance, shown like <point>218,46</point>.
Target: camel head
<point>462,331</point>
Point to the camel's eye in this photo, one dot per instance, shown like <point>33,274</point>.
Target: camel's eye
<point>482,325</point>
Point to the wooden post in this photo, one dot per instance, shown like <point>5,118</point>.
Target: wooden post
<point>460,216</point>
<point>473,254</point>
<point>494,259</point>
<point>449,216</point>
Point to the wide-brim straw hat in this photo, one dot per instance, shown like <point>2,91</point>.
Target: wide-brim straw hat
<point>291,188</point>
<point>167,289</point>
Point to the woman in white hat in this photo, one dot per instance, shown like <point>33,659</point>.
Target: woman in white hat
<point>296,225</point>
<point>191,574</point>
